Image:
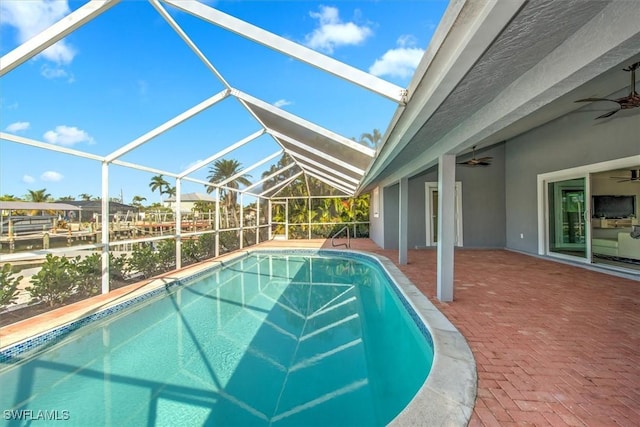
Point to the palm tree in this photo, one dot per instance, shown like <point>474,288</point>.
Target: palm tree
<point>85,196</point>
<point>221,170</point>
<point>284,161</point>
<point>66,199</point>
<point>137,201</point>
<point>159,184</point>
<point>38,196</point>
<point>371,139</point>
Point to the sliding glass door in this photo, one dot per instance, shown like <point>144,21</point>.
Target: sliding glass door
<point>568,218</point>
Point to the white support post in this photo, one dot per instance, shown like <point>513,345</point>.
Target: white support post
<point>270,219</point>
<point>446,226</point>
<point>178,224</point>
<point>403,221</point>
<point>258,222</point>
<point>217,224</point>
<point>105,227</point>
<point>286,219</point>
<point>309,211</point>
<point>241,233</point>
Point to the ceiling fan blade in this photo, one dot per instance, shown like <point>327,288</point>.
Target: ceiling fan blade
<point>474,163</point>
<point>595,99</point>
<point>609,114</point>
<point>484,159</point>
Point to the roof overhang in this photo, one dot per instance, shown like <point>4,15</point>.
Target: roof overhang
<point>497,69</point>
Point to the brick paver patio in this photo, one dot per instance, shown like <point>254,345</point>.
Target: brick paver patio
<point>554,344</point>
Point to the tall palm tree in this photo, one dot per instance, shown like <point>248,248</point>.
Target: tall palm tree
<point>221,170</point>
<point>284,161</point>
<point>371,139</point>
<point>159,184</point>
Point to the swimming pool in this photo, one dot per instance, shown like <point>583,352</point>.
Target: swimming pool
<point>270,339</point>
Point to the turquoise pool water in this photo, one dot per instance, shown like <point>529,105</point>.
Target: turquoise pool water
<point>270,339</point>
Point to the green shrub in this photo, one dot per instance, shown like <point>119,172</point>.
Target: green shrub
<point>8,286</point>
<point>118,267</point>
<point>54,283</point>
<point>207,245</point>
<point>229,241</point>
<point>88,274</point>
<point>167,255</point>
<point>191,251</point>
<point>145,261</point>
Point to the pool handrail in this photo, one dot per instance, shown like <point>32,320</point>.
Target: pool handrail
<point>348,244</point>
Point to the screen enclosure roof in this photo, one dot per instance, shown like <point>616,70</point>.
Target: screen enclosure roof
<point>316,151</point>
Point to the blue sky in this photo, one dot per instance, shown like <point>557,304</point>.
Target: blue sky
<point>127,72</point>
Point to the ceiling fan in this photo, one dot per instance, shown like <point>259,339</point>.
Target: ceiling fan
<point>634,177</point>
<point>626,102</point>
<point>482,161</point>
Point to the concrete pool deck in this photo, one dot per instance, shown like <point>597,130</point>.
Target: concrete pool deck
<point>554,344</point>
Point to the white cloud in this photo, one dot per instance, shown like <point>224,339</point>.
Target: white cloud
<point>17,126</point>
<point>143,87</point>
<point>406,40</point>
<point>282,103</point>
<point>28,179</point>
<point>55,73</point>
<point>67,135</point>
<point>5,106</point>
<point>399,62</point>
<point>31,17</point>
<point>51,176</point>
<point>333,33</point>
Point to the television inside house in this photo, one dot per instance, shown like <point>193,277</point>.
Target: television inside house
<point>614,206</point>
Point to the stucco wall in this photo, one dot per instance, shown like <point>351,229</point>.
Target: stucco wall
<point>376,228</point>
<point>500,202</point>
<point>570,141</point>
<point>483,203</point>
<point>391,216</point>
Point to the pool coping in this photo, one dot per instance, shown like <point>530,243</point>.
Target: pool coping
<point>447,397</point>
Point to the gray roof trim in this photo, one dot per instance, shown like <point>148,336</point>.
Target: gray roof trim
<point>39,206</point>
